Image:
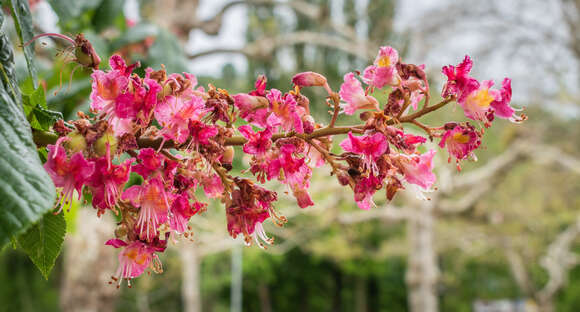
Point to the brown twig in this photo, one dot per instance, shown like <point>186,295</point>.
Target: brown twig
<point>426,110</point>
<point>336,99</point>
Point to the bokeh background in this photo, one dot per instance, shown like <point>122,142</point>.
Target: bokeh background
<point>502,235</point>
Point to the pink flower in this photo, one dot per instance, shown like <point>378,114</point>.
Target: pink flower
<point>106,88</point>
<point>212,186</point>
<point>149,161</point>
<point>110,95</point>
<point>154,202</point>
<point>258,142</point>
<point>200,132</point>
<point>141,102</point>
<point>253,109</point>
<point>412,140</point>
<point>371,146</point>
<point>296,173</point>
<point>311,79</point>
<point>406,142</point>
<point>352,93</point>
<point>133,259</point>
<point>287,113</point>
<point>458,82</point>
<point>502,107</point>
<point>182,211</point>
<point>69,174</point>
<point>461,141</point>
<point>118,64</point>
<point>364,190</point>
<point>477,104</point>
<point>108,181</point>
<point>418,169</point>
<point>260,86</point>
<point>316,158</point>
<point>174,114</point>
<point>383,71</point>
<point>250,206</point>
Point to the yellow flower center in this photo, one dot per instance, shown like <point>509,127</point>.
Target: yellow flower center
<point>460,138</point>
<point>482,98</point>
<point>384,61</point>
<point>134,255</point>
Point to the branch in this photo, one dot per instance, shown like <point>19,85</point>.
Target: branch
<point>492,168</point>
<point>467,201</point>
<point>559,260</point>
<point>518,269</point>
<point>387,213</point>
<point>265,47</point>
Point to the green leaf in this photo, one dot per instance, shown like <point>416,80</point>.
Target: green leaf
<point>36,112</point>
<point>72,12</point>
<point>24,28</point>
<point>7,71</point>
<point>166,50</point>
<point>106,14</point>
<point>26,190</point>
<point>45,117</point>
<point>43,242</point>
<point>134,34</point>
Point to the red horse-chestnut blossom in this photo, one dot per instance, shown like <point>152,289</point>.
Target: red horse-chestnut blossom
<point>177,136</point>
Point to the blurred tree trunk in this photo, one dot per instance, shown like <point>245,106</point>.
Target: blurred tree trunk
<point>337,298</point>
<point>264,292</point>
<point>373,293</point>
<point>360,298</point>
<point>88,265</point>
<point>546,305</point>
<point>190,290</point>
<point>422,271</point>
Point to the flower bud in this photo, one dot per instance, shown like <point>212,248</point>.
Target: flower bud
<point>121,231</point>
<point>450,125</point>
<point>308,124</point>
<point>343,177</point>
<point>309,79</point>
<point>76,142</point>
<point>85,53</point>
<point>228,157</point>
<point>108,138</point>
<point>364,116</point>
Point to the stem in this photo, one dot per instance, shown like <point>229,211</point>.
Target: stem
<point>43,138</point>
<point>336,101</point>
<point>329,159</point>
<point>424,127</point>
<point>425,110</point>
<point>240,140</point>
<point>61,36</point>
<point>405,105</point>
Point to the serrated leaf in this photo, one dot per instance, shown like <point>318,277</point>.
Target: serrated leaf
<point>43,241</point>
<point>46,117</point>
<point>24,28</point>
<point>7,71</point>
<point>26,190</point>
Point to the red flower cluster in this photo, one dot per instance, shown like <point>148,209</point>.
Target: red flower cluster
<point>177,136</point>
